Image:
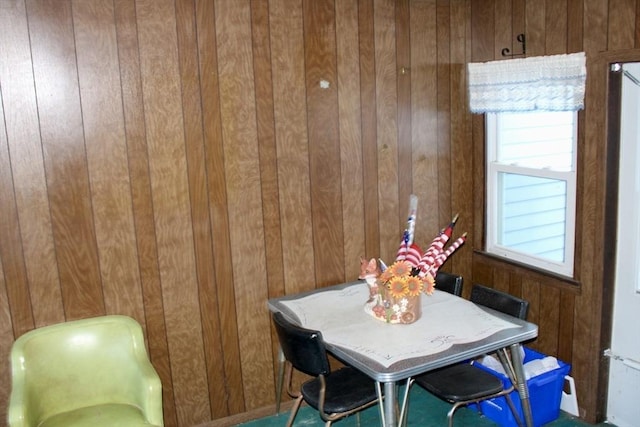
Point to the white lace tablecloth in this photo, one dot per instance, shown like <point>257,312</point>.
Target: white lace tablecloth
<point>446,320</point>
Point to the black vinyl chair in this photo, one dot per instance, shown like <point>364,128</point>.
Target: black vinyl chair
<point>334,394</point>
<point>449,283</point>
<point>463,383</point>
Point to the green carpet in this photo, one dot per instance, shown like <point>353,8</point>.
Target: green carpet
<point>425,411</point>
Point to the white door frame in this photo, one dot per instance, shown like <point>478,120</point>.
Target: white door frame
<point>624,352</point>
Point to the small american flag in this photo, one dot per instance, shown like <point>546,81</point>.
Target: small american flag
<point>411,254</point>
<point>436,255</point>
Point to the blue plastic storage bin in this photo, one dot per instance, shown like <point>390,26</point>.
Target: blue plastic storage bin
<point>545,393</point>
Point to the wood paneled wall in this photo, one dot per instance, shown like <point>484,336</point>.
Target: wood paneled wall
<point>181,161</point>
<point>571,314</point>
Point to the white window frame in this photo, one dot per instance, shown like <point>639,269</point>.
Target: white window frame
<point>493,169</point>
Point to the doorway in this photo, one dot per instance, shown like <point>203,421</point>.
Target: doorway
<point>624,352</point>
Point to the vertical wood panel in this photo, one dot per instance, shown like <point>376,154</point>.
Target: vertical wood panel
<point>515,284</point>
<point>549,314</point>
<point>504,30</point>
<point>226,309</point>
<point>56,83</point>
<point>350,132</point>
<point>427,162</point>
<point>555,27</point>
<point>387,132</point>
<point>406,155</point>
<point>287,44</point>
<point>170,193</point>
<point>292,143</point>
<point>368,101</point>
<point>482,274</point>
<point>107,156</point>
<point>588,311</point>
<point>501,279</point>
<point>622,21</point>
<point>17,289</point>
<point>595,20</point>
<point>324,144</point>
<point>483,38</point>
<point>535,27</point>
<point>575,29</point>
<point>482,30</point>
<point>462,136</point>
<point>518,20</point>
<point>565,327</point>
<point>443,108</point>
<point>141,200</point>
<point>196,163</point>
<point>235,67</point>
<point>575,21</point>
<point>6,339</point>
<point>268,155</point>
<point>27,170</point>
<point>531,293</point>
<point>637,24</point>
<point>585,323</point>
<point>267,144</point>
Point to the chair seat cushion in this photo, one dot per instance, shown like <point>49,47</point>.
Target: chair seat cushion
<point>347,389</point>
<point>111,415</point>
<point>460,382</point>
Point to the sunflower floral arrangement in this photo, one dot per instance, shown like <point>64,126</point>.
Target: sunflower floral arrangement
<point>403,286</point>
<point>395,291</point>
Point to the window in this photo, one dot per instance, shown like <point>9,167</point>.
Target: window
<point>531,188</point>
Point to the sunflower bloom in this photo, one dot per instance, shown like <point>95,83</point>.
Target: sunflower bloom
<point>429,284</point>
<point>397,286</point>
<point>386,275</point>
<point>414,286</point>
<point>400,269</point>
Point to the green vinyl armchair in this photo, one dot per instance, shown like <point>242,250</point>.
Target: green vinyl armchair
<point>91,372</point>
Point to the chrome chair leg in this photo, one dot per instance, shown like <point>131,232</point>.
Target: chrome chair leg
<point>453,409</point>
<point>294,411</point>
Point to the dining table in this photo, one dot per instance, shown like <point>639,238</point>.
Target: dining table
<point>450,330</point>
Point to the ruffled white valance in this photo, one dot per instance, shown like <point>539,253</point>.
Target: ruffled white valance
<point>543,83</point>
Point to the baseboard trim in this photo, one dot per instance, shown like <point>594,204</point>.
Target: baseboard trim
<point>244,417</point>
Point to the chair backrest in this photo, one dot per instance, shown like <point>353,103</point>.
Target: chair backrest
<point>72,365</point>
<point>500,301</point>
<point>449,283</point>
<point>303,348</point>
